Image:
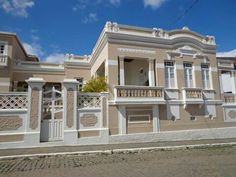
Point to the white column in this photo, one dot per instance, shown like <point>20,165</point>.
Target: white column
<point>156,123</point>
<point>234,81</point>
<point>122,120</point>
<point>70,110</point>
<point>151,73</point>
<point>34,111</point>
<point>122,71</point>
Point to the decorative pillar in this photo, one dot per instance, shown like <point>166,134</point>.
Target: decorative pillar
<point>156,122</point>
<point>35,85</point>
<point>70,110</point>
<point>104,109</point>
<point>122,120</point>
<point>151,73</point>
<point>122,71</point>
<point>104,132</point>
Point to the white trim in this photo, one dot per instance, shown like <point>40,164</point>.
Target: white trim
<point>122,120</point>
<point>136,50</point>
<point>91,129</point>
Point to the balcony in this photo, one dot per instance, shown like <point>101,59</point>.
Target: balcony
<point>229,98</point>
<point>193,96</point>
<point>139,94</point>
<point>3,60</point>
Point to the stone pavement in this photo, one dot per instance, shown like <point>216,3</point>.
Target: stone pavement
<point>61,149</point>
<point>209,162</point>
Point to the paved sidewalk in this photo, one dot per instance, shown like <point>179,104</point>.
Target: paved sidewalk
<point>71,149</point>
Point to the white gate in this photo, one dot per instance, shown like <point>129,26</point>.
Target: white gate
<point>52,117</point>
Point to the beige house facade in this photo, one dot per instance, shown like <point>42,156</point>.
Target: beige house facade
<point>162,86</point>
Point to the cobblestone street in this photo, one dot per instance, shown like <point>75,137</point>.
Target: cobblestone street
<point>212,162</point>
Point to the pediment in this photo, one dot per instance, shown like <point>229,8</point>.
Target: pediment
<point>186,50</point>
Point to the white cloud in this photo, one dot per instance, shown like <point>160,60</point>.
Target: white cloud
<point>36,49</point>
<point>55,58</point>
<point>16,7</point>
<point>231,53</point>
<point>83,4</point>
<point>91,18</point>
<point>154,4</point>
<point>33,49</point>
<point>114,2</point>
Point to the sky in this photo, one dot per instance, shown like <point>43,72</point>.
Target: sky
<point>52,28</point>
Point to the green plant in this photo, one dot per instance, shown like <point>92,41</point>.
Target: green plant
<point>97,84</point>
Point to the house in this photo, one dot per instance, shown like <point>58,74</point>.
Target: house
<point>163,85</point>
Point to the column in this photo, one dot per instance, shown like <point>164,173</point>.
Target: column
<point>70,110</point>
<point>104,132</point>
<point>122,71</point>
<point>156,122</point>
<point>234,81</point>
<point>122,120</point>
<point>151,72</point>
<point>32,136</point>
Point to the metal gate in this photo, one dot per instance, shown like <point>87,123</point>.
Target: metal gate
<point>52,116</point>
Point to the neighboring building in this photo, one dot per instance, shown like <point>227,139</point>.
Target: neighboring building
<point>158,81</point>
<point>227,77</point>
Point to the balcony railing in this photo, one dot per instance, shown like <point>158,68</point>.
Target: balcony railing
<point>229,98</point>
<point>193,93</point>
<point>3,60</point>
<point>139,91</point>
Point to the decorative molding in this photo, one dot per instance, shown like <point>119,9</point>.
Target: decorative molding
<point>135,50</point>
<point>70,108</point>
<point>34,112</point>
<point>159,33</point>
<point>186,50</point>
<point>111,27</point>
<point>10,123</point>
<point>232,114</point>
<point>89,120</point>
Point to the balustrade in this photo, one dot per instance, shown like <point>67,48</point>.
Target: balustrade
<point>127,91</point>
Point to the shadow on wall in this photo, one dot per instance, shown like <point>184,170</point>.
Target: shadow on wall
<point>195,110</point>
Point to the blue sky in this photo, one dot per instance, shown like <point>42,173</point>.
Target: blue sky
<point>51,28</point>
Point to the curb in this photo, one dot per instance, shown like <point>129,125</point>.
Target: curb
<point>120,151</point>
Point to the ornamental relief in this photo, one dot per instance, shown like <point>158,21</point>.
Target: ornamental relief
<point>232,114</point>
<point>70,108</point>
<point>34,112</point>
<point>10,123</point>
<point>88,120</point>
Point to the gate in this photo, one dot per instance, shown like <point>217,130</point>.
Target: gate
<point>52,116</point>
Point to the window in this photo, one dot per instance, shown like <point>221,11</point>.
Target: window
<point>170,74</point>
<point>188,75</point>
<point>2,49</point>
<point>206,76</point>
